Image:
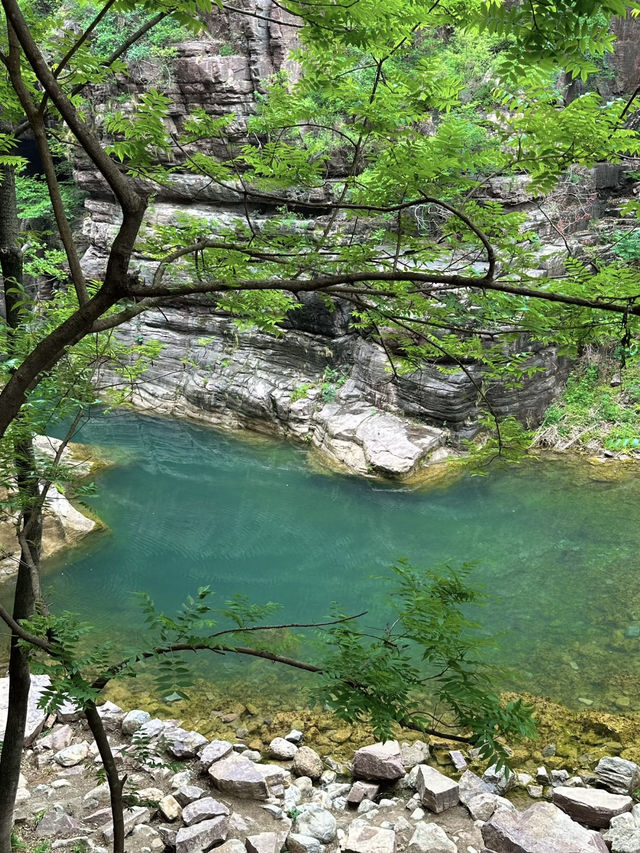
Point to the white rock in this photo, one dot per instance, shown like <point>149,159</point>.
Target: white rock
<point>316,822</point>
<point>282,749</point>
<point>430,838</point>
<point>72,755</point>
<point>134,720</point>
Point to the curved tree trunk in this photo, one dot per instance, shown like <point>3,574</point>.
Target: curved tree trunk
<point>19,675</point>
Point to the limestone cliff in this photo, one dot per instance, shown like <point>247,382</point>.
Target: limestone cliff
<point>321,382</point>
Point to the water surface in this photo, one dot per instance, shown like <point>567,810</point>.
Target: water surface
<point>188,506</point>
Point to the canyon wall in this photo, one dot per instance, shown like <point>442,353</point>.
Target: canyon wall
<point>320,382</point>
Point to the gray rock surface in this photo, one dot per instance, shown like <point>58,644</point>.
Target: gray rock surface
<point>542,828</point>
<point>591,806</point>
<point>203,809</point>
<point>282,749</point>
<point>266,842</point>
<point>315,821</point>
<point>437,791</point>
<point>297,843</point>
<point>214,751</point>
<point>239,777</point>
<point>360,791</point>
<point>35,716</point>
<point>364,838</point>
<point>618,775</point>
<point>380,762</point>
<point>470,786</point>
<point>202,836</point>
<point>307,762</point>
<point>72,755</point>
<point>623,835</point>
<point>483,806</point>
<point>132,817</point>
<point>57,824</point>
<point>134,720</point>
<point>430,838</point>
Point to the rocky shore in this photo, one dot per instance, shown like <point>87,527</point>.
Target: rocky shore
<point>191,794</point>
<point>63,524</point>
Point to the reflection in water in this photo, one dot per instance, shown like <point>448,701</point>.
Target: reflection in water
<point>191,507</point>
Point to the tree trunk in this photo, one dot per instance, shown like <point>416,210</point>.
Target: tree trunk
<point>19,675</point>
<point>116,784</point>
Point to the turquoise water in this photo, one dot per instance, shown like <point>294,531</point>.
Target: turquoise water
<point>188,506</point>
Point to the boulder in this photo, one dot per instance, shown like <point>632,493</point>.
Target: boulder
<point>499,779</point>
<point>430,838</point>
<point>233,845</point>
<point>362,791</point>
<point>591,805</point>
<point>239,777</point>
<point>307,762</point>
<point>364,838</point>
<point>266,842</point>
<point>315,821</point>
<point>58,824</point>
<point>623,835</point>
<point>72,755</point>
<point>437,791</point>
<point>297,843</point>
<point>202,836</point>
<point>414,753</point>
<point>282,749</point>
<point>618,775</point>
<point>188,794</point>
<point>203,809</point>
<point>35,715</point>
<point>470,786</point>
<point>170,808</point>
<point>132,817</point>
<point>133,720</point>
<point>214,751</point>
<point>542,828</point>
<point>186,745</point>
<point>111,716</point>
<point>483,806</point>
<point>380,762</point>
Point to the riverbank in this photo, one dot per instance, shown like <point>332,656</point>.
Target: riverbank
<point>64,524</point>
<point>420,795</point>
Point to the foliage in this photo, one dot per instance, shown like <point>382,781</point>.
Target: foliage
<point>600,407</point>
<point>34,202</point>
<point>429,653</point>
<point>373,164</point>
<point>627,245</point>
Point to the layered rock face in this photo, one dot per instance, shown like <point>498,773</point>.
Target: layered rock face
<point>320,382</point>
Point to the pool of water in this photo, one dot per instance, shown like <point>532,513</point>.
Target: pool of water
<point>556,543</point>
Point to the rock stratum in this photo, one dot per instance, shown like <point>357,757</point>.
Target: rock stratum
<point>320,382</point>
